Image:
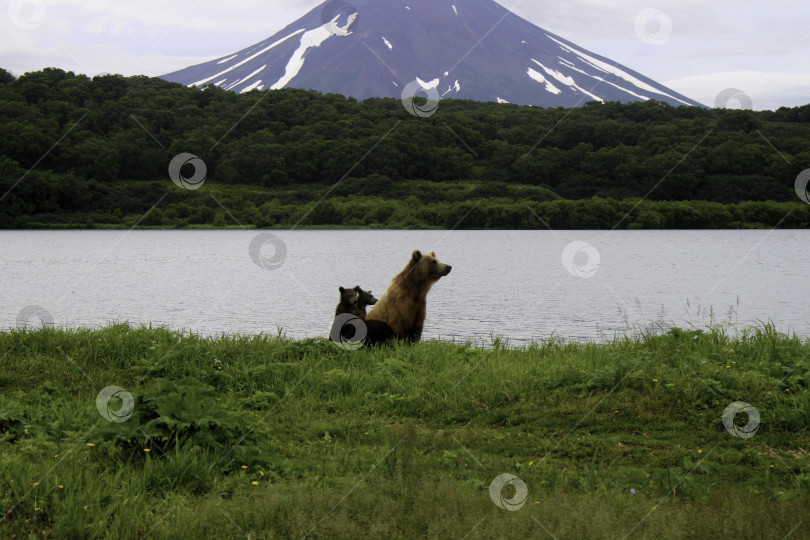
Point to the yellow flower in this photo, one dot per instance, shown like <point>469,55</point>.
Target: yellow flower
<point>36,509</point>
<point>536,502</point>
<point>255,483</point>
<point>771,466</point>
<point>36,484</point>
<point>700,450</point>
<point>655,508</point>
<point>655,380</point>
<point>91,445</point>
<point>56,456</point>
<point>531,463</point>
<point>61,486</point>
<point>728,367</point>
<point>147,449</point>
<point>244,466</point>
<point>26,432</point>
<point>261,473</point>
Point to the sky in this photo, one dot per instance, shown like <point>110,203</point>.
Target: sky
<point>698,48</point>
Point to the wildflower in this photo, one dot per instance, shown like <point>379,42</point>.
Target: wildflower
<point>26,432</point>
<point>771,466</point>
<point>632,491</point>
<point>366,432</point>
<point>728,367</point>
<point>655,380</point>
<point>91,445</point>
<point>56,456</point>
<point>147,449</point>
<point>531,463</point>
<point>36,484</point>
<point>617,410</point>
<point>536,502</point>
<point>655,508</point>
<point>261,473</point>
<point>61,486</point>
<point>700,450</point>
<point>37,509</point>
<point>255,483</point>
<point>244,466</point>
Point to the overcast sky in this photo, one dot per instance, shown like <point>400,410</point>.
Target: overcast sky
<point>698,48</point>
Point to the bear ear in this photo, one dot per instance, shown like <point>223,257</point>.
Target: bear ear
<point>342,290</point>
<point>357,289</point>
<point>432,253</point>
<point>416,255</point>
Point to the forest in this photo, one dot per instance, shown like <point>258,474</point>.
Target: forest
<point>94,152</point>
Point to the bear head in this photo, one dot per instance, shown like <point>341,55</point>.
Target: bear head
<point>348,297</point>
<point>427,268</point>
<point>364,298</point>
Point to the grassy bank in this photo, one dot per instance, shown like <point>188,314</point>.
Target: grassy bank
<point>264,437</point>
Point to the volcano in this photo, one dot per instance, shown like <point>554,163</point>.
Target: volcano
<point>466,49</point>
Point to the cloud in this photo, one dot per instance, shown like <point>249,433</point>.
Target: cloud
<point>768,91</point>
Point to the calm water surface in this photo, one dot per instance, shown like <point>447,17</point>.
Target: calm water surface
<point>504,283</point>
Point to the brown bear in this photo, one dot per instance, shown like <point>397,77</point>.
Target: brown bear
<point>348,301</point>
<point>403,306</point>
<point>354,302</point>
<point>364,299</point>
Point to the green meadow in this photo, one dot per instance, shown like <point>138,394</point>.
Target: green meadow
<point>267,437</point>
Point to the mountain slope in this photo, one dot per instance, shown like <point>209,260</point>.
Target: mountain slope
<point>453,48</point>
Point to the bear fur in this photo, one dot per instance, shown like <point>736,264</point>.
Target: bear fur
<point>404,305</point>
<point>355,301</point>
<point>364,299</point>
<point>348,301</point>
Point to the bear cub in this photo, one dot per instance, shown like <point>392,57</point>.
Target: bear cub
<point>355,302</point>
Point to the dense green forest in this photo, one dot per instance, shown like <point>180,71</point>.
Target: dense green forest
<point>76,151</point>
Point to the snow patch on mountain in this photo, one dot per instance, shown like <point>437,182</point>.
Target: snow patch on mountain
<point>537,76</point>
<point>567,81</point>
<point>256,72</point>
<point>455,10</point>
<point>451,87</point>
<point>607,68</point>
<point>388,44</point>
<point>227,59</point>
<point>252,87</point>
<point>428,85</point>
<point>246,60</point>
<point>643,98</point>
<point>309,39</point>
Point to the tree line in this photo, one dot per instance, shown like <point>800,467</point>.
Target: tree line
<point>107,143</point>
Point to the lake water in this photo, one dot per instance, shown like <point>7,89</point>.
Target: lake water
<point>513,284</point>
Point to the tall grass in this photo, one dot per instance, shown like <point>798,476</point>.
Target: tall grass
<point>269,437</point>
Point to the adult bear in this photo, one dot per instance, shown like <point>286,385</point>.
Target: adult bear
<point>403,306</point>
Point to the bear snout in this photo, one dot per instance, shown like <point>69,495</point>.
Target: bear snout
<point>447,269</point>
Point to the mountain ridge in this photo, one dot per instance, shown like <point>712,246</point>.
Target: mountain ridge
<point>469,49</point>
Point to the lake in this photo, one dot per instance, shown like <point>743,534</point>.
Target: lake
<point>521,285</point>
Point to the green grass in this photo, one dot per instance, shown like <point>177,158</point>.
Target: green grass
<point>273,438</point>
